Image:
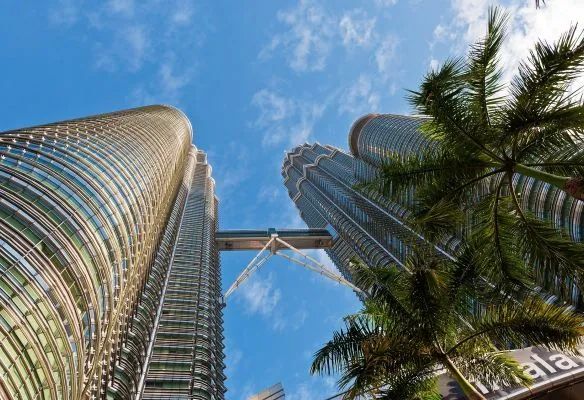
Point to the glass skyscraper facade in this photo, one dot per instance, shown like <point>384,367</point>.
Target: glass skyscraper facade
<point>275,392</point>
<point>109,277</point>
<point>321,180</point>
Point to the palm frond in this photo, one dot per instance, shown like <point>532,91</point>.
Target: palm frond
<point>533,321</point>
<point>443,96</point>
<point>554,129</point>
<point>493,368</point>
<point>343,349</point>
<point>383,285</point>
<point>435,219</point>
<point>483,74</point>
<point>548,249</point>
<point>543,81</point>
<point>411,384</point>
<point>440,207</point>
<point>468,286</point>
<point>426,286</point>
<point>493,240</point>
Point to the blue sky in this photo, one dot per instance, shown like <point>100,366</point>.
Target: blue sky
<point>255,78</point>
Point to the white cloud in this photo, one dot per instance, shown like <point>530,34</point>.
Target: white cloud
<point>272,106</point>
<point>444,32</point>
<point>306,39</point>
<point>135,45</point>
<point>233,358</point>
<point>357,28</point>
<point>434,64</point>
<point>228,178</point>
<point>130,35</point>
<point>314,388</point>
<point>359,98</point>
<point>270,193</point>
<point>285,121</point>
<point>291,322</point>
<point>386,54</point>
<point>259,296</point>
<point>66,13</point>
<point>527,25</point>
<point>171,81</point>
<point>125,7</point>
<point>166,86</point>
<point>386,3</point>
<point>183,13</point>
<point>309,113</point>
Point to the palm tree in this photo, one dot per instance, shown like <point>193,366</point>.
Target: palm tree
<point>418,321</point>
<point>484,135</point>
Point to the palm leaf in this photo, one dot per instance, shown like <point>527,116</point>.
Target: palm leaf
<point>543,82</point>
<point>344,348</point>
<point>483,74</point>
<point>493,368</point>
<point>493,241</point>
<point>533,321</point>
<point>548,249</point>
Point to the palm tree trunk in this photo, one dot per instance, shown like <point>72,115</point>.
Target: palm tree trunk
<point>573,186</point>
<point>467,388</point>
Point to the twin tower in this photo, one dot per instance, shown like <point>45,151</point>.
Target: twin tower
<point>109,268</point>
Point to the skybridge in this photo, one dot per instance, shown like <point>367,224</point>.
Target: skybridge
<point>286,243</point>
<point>301,239</point>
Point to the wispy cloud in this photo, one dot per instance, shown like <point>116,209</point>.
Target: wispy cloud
<point>311,33</point>
<point>65,13</point>
<point>172,81</point>
<point>233,358</point>
<point>360,97</point>
<point>357,28</point>
<point>259,296</point>
<point>386,3</point>
<point>183,12</point>
<point>285,120</point>
<point>270,193</point>
<point>228,178</point>
<point>527,25</point>
<point>135,44</point>
<point>306,38</point>
<point>385,54</point>
<point>125,7</point>
<point>314,388</point>
<point>272,107</point>
<point>292,322</point>
<point>132,37</point>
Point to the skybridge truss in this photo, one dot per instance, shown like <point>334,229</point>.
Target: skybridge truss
<point>287,244</point>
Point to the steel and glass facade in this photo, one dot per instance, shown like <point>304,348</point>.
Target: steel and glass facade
<point>321,180</point>
<point>275,392</point>
<point>95,216</point>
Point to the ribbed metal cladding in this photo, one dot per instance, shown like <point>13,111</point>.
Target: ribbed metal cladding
<point>321,181</point>
<point>186,360</point>
<point>89,216</point>
<point>131,366</point>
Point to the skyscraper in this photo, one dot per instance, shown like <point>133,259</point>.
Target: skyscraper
<point>275,392</point>
<point>321,180</point>
<point>107,247</point>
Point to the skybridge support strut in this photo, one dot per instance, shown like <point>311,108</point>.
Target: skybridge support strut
<point>276,246</point>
